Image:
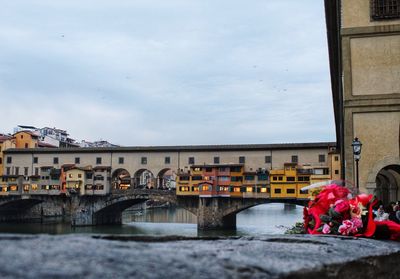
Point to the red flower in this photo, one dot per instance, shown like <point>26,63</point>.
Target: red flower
<point>341,206</point>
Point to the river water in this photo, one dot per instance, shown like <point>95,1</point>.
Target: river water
<point>260,220</point>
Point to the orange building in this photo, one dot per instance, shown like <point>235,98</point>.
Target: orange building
<point>26,139</point>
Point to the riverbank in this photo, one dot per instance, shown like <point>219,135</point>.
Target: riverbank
<point>284,256</point>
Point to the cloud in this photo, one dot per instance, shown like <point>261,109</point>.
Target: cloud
<point>168,72</point>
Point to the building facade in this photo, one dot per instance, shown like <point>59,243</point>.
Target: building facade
<point>151,167</point>
<point>364,47</point>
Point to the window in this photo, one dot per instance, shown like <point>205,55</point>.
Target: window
<point>8,171</point>
<point>26,170</point>
<point>16,170</point>
<point>55,160</point>
<point>249,177</point>
<point>280,178</point>
<point>89,175</point>
<point>22,136</point>
<point>385,9</point>
<point>236,178</point>
<point>235,169</point>
<point>277,191</point>
<point>242,159</point>
<point>274,178</point>
<point>77,160</point>
<point>303,192</point>
<point>262,176</point>
<point>9,159</point>
<point>321,158</point>
<point>167,160</point>
<point>216,160</point>
<point>98,160</point>
<point>290,178</point>
<point>35,160</point>
<point>36,171</point>
<point>1,160</point>
<point>191,161</point>
<point>268,159</point>
<point>336,158</point>
<point>336,171</point>
<point>295,159</point>
<point>290,191</point>
<point>26,145</point>
<point>120,160</point>
<point>143,160</point>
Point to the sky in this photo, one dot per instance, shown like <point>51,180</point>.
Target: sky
<point>167,72</point>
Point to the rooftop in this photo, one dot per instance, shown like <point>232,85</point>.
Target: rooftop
<point>179,148</point>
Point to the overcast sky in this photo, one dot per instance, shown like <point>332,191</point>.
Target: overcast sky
<point>167,72</point>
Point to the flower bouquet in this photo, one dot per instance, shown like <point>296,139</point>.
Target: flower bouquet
<point>335,211</point>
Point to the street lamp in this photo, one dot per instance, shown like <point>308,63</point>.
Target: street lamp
<point>357,155</point>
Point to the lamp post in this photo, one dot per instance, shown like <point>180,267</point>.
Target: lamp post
<point>356,144</point>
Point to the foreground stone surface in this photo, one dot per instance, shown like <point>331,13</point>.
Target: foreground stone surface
<point>88,256</point>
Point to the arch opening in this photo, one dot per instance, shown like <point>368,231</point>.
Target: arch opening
<point>166,179</point>
<point>112,214</point>
<point>388,184</point>
<point>144,179</point>
<point>121,180</point>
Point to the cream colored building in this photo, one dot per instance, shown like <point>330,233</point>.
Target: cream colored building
<point>364,48</point>
<point>152,166</point>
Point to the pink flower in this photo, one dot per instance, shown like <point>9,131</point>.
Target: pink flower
<point>357,222</point>
<point>341,206</point>
<point>326,229</point>
<point>347,228</point>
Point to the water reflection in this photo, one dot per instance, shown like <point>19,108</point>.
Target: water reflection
<point>259,220</point>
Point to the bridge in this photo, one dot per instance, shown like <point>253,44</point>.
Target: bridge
<point>211,212</point>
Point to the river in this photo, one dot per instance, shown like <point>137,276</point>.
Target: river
<point>260,220</point>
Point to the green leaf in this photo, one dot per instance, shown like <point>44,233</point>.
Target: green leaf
<point>333,213</point>
<point>325,218</point>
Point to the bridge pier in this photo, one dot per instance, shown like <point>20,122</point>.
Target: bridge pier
<point>211,214</point>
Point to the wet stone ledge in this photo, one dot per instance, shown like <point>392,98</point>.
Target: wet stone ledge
<point>292,256</point>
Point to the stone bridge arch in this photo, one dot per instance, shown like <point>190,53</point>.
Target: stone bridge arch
<point>17,204</point>
<point>104,210</point>
<point>18,208</point>
<point>219,212</point>
<point>97,210</point>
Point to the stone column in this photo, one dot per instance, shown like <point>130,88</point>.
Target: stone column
<point>210,214</point>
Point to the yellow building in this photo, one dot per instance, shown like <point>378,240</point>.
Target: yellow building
<point>287,183</point>
<point>6,142</point>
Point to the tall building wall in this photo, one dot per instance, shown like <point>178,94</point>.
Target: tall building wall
<point>370,49</point>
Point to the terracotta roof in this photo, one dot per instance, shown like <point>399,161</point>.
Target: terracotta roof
<point>3,138</point>
<point>27,132</point>
<point>45,144</point>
